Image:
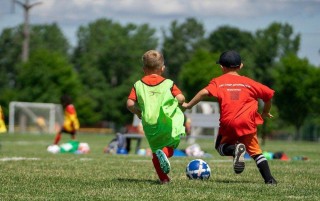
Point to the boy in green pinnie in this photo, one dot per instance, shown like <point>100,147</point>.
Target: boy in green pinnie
<point>156,100</point>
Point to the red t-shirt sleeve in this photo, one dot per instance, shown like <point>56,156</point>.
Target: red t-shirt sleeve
<point>133,95</point>
<point>263,92</point>
<point>212,88</point>
<point>175,90</point>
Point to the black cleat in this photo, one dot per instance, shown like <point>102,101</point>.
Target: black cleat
<point>271,182</point>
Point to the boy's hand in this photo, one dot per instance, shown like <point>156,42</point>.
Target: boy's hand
<point>266,115</point>
<point>185,106</point>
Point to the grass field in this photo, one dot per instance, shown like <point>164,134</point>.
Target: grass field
<point>29,172</point>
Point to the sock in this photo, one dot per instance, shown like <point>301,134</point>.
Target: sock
<point>226,149</point>
<point>57,138</point>
<point>168,151</point>
<point>162,176</point>
<point>263,167</point>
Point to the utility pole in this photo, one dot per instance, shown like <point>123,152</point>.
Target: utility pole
<point>26,32</point>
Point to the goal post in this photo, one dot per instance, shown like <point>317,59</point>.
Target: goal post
<point>28,117</point>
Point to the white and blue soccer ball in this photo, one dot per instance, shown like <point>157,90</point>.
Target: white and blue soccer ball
<point>198,169</point>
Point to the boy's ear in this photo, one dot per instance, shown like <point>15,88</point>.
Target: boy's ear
<point>163,68</point>
<point>241,66</point>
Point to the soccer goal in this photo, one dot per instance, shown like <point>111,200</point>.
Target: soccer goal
<point>27,117</point>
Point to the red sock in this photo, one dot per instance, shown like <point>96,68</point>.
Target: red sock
<point>168,151</point>
<point>162,176</point>
<point>57,138</point>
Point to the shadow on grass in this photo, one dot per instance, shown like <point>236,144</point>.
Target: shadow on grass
<point>227,181</point>
<point>128,180</point>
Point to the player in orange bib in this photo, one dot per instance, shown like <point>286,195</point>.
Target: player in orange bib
<point>237,96</point>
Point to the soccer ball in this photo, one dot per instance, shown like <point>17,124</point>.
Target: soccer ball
<point>53,149</point>
<point>198,169</point>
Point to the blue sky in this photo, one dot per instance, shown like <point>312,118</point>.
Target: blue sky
<point>247,15</point>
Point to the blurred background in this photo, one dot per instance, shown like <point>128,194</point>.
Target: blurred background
<point>91,50</point>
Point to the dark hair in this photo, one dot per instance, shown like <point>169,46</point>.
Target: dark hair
<point>65,100</point>
<point>230,59</point>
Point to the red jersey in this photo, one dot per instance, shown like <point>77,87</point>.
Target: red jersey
<point>153,80</point>
<point>238,99</point>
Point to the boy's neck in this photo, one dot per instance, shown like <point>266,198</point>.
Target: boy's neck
<point>146,74</point>
<point>153,72</point>
<point>230,71</point>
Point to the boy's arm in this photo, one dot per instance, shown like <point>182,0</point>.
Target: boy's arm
<point>195,100</point>
<point>180,98</point>
<point>266,110</point>
<point>131,105</point>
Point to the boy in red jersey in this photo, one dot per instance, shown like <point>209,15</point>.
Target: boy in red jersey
<point>237,96</point>
<point>155,100</point>
<point>70,122</point>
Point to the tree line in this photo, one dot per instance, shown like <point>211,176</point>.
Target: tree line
<point>101,69</point>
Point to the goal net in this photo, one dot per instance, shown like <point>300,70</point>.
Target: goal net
<point>26,117</point>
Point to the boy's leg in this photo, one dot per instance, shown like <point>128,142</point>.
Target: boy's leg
<point>264,169</point>
<point>255,152</point>
<point>224,148</point>
<point>57,138</point>
<point>73,135</point>
<point>162,156</point>
<point>168,151</point>
<point>162,176</point>
<point>228,147</point>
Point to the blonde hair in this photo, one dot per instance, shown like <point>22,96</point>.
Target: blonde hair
<point>153,60</point>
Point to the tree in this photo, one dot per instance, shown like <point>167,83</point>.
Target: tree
<point>42,36</point>
<point>180,43</point>
<point>296,90</point>
<point>48,75</point>
<point>271,44</point>
<point>45,77</point>
<point>230,38</point>
<point>197,72</point>
<point>47,37</point>
<point>10,54</point>
<point>108,59</point>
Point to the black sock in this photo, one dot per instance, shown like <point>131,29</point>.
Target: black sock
<point>263,167</point>
<point>226,149</point>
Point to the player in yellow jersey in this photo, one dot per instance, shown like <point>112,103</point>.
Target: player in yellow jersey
<point>3,127</point>
<point>71,123</point>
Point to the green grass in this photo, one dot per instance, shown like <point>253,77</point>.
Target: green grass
<point>98,176</point>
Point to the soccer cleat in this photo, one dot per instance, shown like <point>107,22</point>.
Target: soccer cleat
<point>238,160</point>
<point>163,160</point>
<point>271,182</point>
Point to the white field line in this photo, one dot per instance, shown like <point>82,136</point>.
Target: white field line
<point>18,159</point>
<point>25,143</point>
